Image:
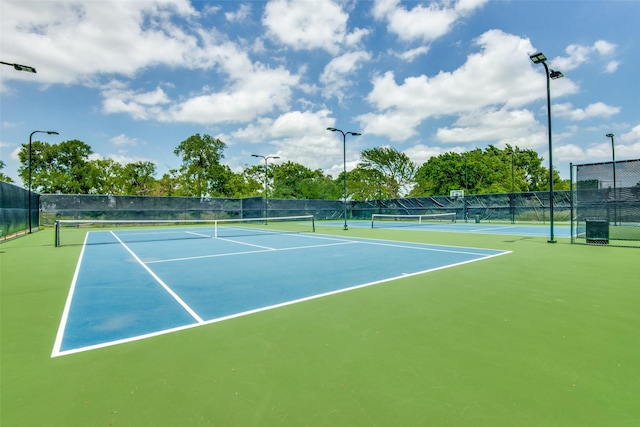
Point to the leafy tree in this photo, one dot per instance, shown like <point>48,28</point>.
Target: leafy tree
<point>201,169</point>
<point>488,171</point>
<point>4,177</point>
<point>440,174</point>
<point>137,178</point>
<point>105,176</point>
<point>364,184</point>
<point>295,181</point>
<point>396,169</point>
<point>57,168</point>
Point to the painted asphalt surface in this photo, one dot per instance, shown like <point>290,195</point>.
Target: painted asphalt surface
<point>563,231</point>
<point>129,289</point>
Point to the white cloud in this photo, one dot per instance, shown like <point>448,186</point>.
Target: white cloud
<point>306,25</point>
<point>580,54</point>
<point>425,23</point>
<point>421,153</point>
<point>243,12</point>
<point>412,54</point>
<point>604,48</point>
<point>499,127</point>
<point>627,146</point>
<point>95,37</point>
<point>123,139</point>
<point>598,109</point>
<point>260,91</point>
<point>336,73</point>
<point>140,105</point>
<point>499,75</point>
<point>611,67</point>
<point>300,136</point>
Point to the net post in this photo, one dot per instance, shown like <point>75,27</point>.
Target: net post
<point>56,235</point>
<point>313,223</point>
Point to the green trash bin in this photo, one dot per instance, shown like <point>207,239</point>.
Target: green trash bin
<point>477,219</point>
<point>597,231</point>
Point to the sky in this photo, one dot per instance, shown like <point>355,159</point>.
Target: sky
<point>133,79</point>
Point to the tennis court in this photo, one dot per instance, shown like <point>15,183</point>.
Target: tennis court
<point>449,223</point>
<point>543,336</point>
<point>132,284</point>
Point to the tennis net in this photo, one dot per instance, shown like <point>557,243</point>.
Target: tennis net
<point>127,231</point>
<point>386,220</point>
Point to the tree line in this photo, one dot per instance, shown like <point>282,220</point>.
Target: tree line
<point>382,173</point>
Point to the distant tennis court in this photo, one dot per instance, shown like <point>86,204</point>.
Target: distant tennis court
<point>135,283</point>
<point>448,222</point>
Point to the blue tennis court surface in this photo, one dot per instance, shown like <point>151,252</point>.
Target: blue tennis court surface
<point>129,286</point>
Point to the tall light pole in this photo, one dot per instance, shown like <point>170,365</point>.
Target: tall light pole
<point>615,196</point>
<point>513,196</point>
<point>19,67</point>
<point>539,58</point>
<point>48,132</point>
<point>266,185</point>
<point>344,162</point>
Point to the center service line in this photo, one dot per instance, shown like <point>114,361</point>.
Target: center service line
<point>159,280</point>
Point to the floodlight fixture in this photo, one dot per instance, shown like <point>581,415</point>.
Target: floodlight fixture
<point>538,57</point>
<point>555,74</point>
<point>20,67</point>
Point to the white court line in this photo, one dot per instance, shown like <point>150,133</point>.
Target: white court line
<point>247,244</point>
<point>395,245</point>
<point>67,306</point>
<point>161,282</point>
<point>247,252</point>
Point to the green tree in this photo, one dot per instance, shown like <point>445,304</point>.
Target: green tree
<point>138,178</point>
<point>397,170</point>
<point>4,177</point>
<point>105,177</point>
<point>363,184</point>
<point>202,173</point>
<point>295,181</point>
<point>439,175</point>
<point>57,168</point>
<point>488,171</point>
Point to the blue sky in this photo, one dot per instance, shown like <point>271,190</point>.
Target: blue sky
<point>135,78</point>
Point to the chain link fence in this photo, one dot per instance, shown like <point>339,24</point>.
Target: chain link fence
<point>14,210</point>
<point>607,203</point>
<point>515,207</point>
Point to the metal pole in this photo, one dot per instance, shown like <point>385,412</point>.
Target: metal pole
<point>538,58</point>
<point>266,191</point>
<point>344,163</point>
<point>551,238</point>
<point>29,183</point>
<point>48,132</point>
<point>513,200</point>
<point>265,198</point>
<point>615,195</point>
<point>344,177</point>
<point>466,189</point>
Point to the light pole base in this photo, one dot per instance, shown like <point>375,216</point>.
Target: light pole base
<point>345,227</point>
<point>552,241</point>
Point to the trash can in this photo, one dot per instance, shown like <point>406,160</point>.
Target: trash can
<point>597,231</point>
<point>477,219</point>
